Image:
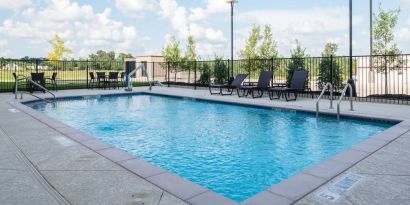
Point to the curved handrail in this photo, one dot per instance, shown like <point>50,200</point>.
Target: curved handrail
<point>35,83</point>
<point>321,95</point>
<point>348,85</point>
<point>129,86</point>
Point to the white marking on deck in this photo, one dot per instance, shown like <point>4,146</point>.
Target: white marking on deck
<point>64,141</point>
<point>14,110</point>
<point>339,188</point>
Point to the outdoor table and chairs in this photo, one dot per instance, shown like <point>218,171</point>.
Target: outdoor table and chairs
<point>103,80</point>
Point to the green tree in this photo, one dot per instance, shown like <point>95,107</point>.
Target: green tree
<point>297,62</point>
<point>384,43</point>
<point>172,55</point>
<point>250,52</point>
<point>329,69</point>
<point>190,56</point>
<point>269,47</point>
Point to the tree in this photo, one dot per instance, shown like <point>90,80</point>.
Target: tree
<point>269,47</point>
<point>59,50</point>
<point>190,56</point>
<point>298,56</point>
<point>384,43</point>
<point>329,69</point>
<point>172,55</point>
<point>250,52</point>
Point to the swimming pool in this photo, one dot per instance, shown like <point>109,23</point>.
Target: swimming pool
<point>236,151</point>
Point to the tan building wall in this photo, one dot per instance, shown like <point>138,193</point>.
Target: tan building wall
<point>154,66</point>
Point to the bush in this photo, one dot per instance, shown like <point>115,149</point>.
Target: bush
<point>220,71</point>
<point>205,74</point>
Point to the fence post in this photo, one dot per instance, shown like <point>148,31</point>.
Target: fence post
<point>331,69</point>
<point>153,71</point>
<point>168,74</point>
<point>271,69</point>
<point>195,75</point>
<point>86,73</point>
<point>36,65</point>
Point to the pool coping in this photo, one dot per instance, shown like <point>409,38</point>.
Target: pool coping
<point>285,192</point>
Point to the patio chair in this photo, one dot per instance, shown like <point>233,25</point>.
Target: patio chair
<point>297,84</point>
<point>38,78</point>
<point>52,81</point>
<point>101,80</point>
<point>17,81</point>
<point>263,84</point>
<point>113,80</point>
<point>92,82</point>
<point>231,86</point>
<point>122,79</point>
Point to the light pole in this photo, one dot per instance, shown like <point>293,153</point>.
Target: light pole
<point>371,35</point>
<point>232,2</point>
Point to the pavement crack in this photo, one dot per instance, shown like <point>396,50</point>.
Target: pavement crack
<point>160,198</point>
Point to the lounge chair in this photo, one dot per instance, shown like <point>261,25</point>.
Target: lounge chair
<point>297,84</point>
<point>263,84</point>
<point>231,86</point>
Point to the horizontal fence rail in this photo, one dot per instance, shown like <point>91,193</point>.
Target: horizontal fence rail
<point>377,78</point>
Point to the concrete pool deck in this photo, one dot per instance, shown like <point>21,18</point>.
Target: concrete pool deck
<point>44,165</point>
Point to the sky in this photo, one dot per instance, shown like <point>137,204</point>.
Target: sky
<point>143,27</point>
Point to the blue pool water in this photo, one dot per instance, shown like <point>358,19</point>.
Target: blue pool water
<point>236,151</point>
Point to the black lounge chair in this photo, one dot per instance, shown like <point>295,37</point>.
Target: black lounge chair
<point>263,84</point>
<point>231,86</point>
<point>297,84</point>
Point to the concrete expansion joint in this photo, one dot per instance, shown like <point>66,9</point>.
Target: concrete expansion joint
<point>33,170</point>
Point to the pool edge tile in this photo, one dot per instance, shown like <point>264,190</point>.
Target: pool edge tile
<point>210,198</point>
<point>115,155</point>
<point>176,185</point>
<point>267,198</point>
<point>142,168</point>
<point>297,186</point>
<point>327,169</point>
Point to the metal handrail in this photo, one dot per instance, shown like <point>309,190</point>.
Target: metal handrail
<point>35,83</point>
<point>142,67</point>
<point>321,95</point>
<point>129,86</point>
<point>341,98</point>
<point>153,82</point>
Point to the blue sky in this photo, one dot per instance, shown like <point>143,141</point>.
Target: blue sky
<point>142,27</point>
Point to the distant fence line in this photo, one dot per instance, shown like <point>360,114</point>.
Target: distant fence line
<point>377,78</point>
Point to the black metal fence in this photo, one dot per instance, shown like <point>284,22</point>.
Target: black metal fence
<point>70,74</point>
<point>377,78</point>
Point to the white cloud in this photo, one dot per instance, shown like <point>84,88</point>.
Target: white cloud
<point>3,43</point>
<point>212,7</point>
<point>209,40</point>
<point>405,3</point>
<point>83,29</point>
<point>135,7</point>
<point>14,4</point>
<point>314,27</point>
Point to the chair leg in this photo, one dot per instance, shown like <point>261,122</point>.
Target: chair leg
<point>243,92</point>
